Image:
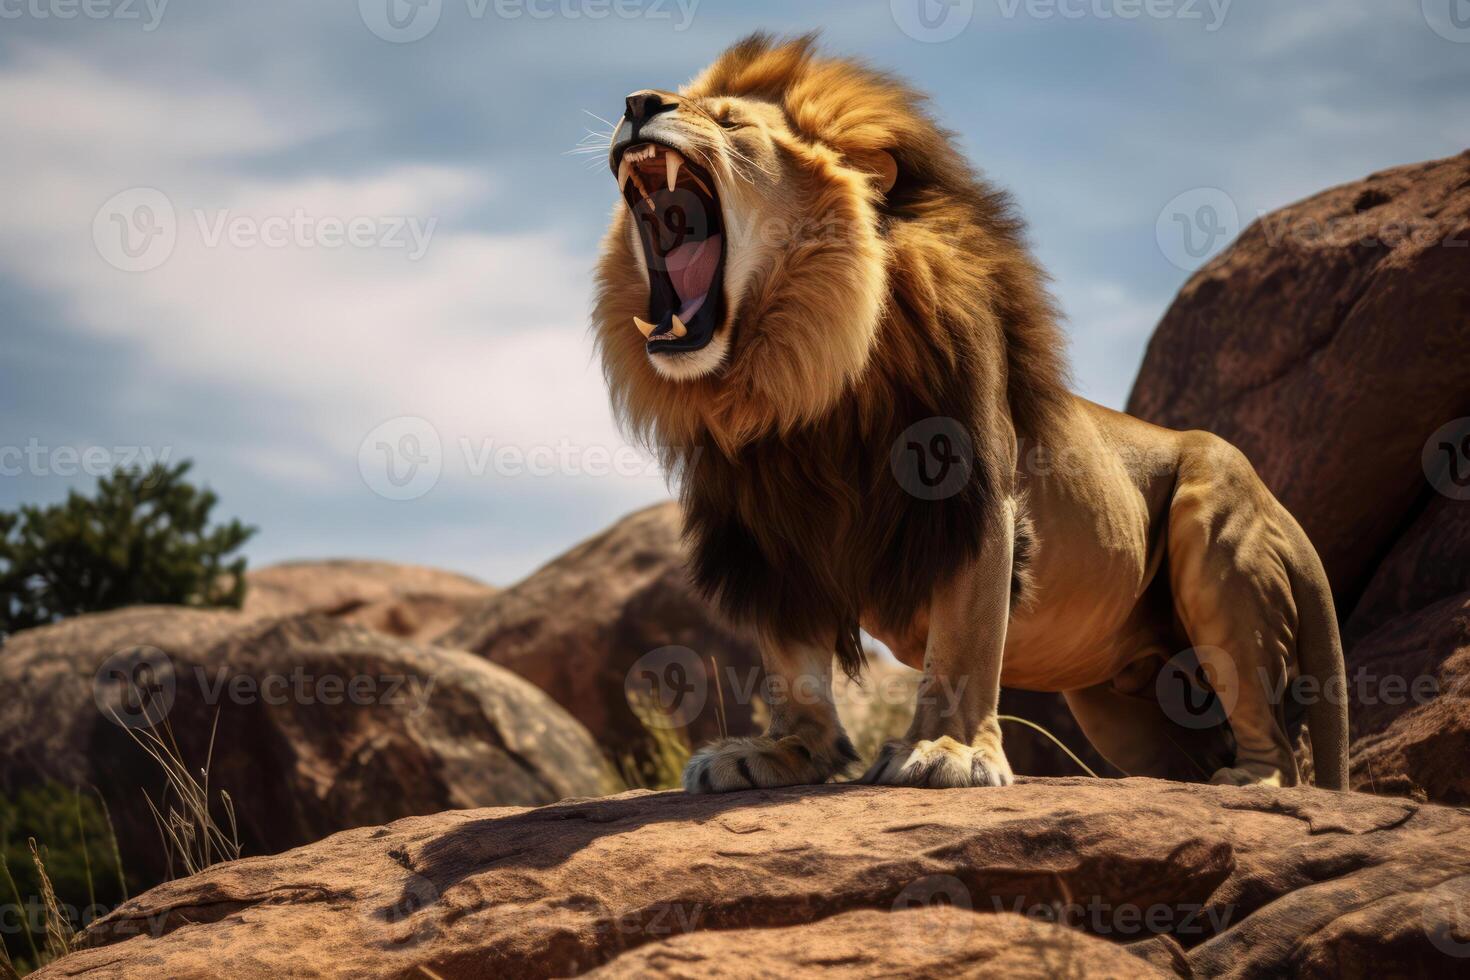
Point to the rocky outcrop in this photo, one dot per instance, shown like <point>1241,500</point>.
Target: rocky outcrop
<point>1064,877</point>
<point>1329,343</point>
<point>402,600</point>
<point>1411,719</point>
<point>613,607</point>
<point>321,725</point>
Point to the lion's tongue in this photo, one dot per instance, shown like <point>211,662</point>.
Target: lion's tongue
<point>692,268</point>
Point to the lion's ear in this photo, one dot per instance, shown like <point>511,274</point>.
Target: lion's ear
<point>879,163</point>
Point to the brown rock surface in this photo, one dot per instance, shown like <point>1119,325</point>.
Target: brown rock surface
<point>403,600</point>
<point>1330,344</point>
<point>322,725</point>
<point>1411,710</point>
<point>929,941</point>
<point>577,626</point>
<point>1247,881</point>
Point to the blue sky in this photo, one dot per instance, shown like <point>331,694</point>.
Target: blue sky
<point>361,230</point>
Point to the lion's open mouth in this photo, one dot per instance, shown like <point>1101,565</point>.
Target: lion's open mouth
<point>678,217</point>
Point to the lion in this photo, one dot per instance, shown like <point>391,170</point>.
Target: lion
<point>831,330</point>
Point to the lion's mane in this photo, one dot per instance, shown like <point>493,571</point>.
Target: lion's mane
<point>793,516</point>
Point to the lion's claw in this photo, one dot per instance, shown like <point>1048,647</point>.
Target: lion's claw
<point>755,763</point>
<point>941,763</point>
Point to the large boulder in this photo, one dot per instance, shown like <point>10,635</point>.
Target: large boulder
<point>321,725</point>
<point>1330,344</point>
<point>1141,877</point>
<point>617,605</point>
<point>402,600</point>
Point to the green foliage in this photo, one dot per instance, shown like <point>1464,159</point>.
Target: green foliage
<point>80,859</point>
<point>144,538</point>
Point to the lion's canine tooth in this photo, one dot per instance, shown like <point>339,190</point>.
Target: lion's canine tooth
<point>673,161</point>
<point>644,327</point>
<point>679,328</point>
<point>623,169</point>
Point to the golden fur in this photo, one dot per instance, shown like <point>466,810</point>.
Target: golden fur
<point>873,283</point>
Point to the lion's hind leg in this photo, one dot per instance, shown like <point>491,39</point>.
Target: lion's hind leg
<point>1133,733</point>
<point>1232,593</point>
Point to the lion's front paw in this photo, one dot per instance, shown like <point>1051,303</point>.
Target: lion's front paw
<point>752,763</point>
<point>939,764</point>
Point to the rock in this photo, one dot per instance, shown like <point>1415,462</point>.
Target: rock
<point>321,725</point>
<point>869,880</point>
<point>929,941</point>
<point>1411,709</point>
<point>402,600</point>
<point>1329,344</point>
<point>1429,562</point>
<point>577,627</point>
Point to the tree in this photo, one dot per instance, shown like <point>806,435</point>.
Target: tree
<point>144,538</point>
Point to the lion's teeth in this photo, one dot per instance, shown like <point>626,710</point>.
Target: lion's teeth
<point>644,327</point>
<point>673,161</point>
<point>679,328</point>
<point>623,170</point>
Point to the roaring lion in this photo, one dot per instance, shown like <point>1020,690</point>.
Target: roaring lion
<point>832,331</point>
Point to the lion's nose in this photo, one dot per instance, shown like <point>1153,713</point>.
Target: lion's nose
<point>644,105</point>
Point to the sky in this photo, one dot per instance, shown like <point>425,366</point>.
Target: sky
<point>338,252</point>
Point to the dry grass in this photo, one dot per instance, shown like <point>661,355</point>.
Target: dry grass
<point>1058,742</point>
<point>668,750</point>
<point>191,837</point>
<point>59,930</point>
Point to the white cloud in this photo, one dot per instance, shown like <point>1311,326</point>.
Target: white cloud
<point>483,334</point>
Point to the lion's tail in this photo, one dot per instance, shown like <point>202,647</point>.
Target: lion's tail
<point>1319,652</point>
